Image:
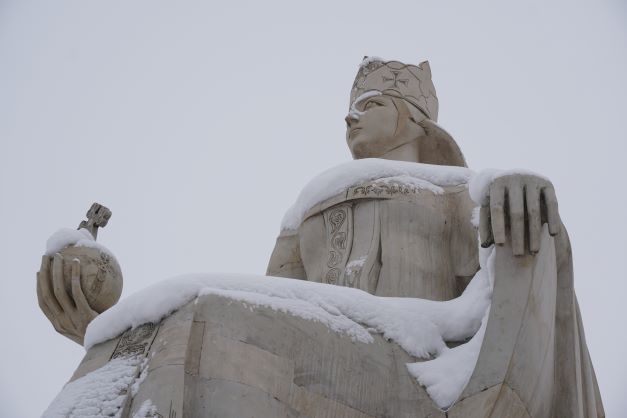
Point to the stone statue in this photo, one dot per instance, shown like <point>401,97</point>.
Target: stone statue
<point>389,239</point>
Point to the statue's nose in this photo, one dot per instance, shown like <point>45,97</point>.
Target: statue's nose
<point>350,119</point>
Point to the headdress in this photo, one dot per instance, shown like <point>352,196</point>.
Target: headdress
<point>409,82</point>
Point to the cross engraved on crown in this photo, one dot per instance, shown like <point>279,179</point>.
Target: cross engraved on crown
<point>395,79</point>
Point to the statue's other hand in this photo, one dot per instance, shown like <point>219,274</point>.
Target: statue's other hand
<point>517,207</point>
<point>69,314</point>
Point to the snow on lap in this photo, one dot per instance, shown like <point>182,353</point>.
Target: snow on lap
<point>421,327</point>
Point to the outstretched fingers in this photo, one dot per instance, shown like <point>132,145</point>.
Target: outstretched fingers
<point>485,230</point>
<point>532,199</point>
<point>517,219</point>
<point>44,289</point>
<point>497,212</point>
<point>41,276</point>
<point>552,214</point>
<point>77,292</point>
<point>58,284</point>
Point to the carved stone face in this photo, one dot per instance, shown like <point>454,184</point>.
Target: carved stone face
<point>379,124</point>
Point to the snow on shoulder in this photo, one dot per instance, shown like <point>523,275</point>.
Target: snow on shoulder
<point>337,179</point>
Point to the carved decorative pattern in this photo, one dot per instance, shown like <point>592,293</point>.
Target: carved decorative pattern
<point>104,264</point>
<point>332,276</point>
<point>104,268</point>
<point>334,258</point>
<point>338,236</point>
<point>337,218</point>
<point>338,241</point>
<point>379,190</point>
<point>135,341</point>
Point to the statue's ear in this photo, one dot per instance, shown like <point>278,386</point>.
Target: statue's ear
<point>438,146</point>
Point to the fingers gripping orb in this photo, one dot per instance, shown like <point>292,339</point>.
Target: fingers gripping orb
<point>101,276</point>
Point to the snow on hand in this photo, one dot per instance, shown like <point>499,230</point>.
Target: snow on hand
<point>479,185</point>
<point>66,237</point>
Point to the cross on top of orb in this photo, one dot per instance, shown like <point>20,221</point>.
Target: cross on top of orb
<point>97,217</point>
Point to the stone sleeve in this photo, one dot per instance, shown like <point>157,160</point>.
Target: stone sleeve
<point>285,260</point>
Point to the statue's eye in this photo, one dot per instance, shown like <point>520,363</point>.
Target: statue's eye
<point>372,104</point>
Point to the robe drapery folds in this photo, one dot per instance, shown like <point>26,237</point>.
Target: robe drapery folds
<point>533,361</point>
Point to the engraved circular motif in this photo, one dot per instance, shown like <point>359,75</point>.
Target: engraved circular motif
<point>332,276</point>
<point>337,218</point>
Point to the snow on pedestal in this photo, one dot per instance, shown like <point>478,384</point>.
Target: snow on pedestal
<point>98,394</point>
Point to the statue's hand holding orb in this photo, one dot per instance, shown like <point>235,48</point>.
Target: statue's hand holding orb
<point>518,205</point>
<point>81,280</point>
<point>75,285</point>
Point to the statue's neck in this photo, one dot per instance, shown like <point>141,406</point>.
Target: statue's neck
<point>405,152</point>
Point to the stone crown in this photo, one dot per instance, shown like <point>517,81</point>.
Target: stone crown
<point>409,82</point>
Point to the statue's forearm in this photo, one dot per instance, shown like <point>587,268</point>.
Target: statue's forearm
<point>285,260</point>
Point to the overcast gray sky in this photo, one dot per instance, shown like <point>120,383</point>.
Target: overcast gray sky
<point>198,123</point>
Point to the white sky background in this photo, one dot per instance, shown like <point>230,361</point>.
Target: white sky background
<point>198,123</point>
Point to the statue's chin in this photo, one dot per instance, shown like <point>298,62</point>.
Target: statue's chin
<point>366,145</point>
<point>361,155</point>
<point>363,149</point>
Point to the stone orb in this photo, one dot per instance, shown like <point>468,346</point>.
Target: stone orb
<point>101,276</point>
